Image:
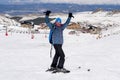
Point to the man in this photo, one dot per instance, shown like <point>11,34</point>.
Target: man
<point>56,39</point>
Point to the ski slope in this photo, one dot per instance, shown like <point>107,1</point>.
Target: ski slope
<point>23,58</point>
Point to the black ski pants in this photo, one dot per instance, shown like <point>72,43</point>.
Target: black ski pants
<point>59,57</point>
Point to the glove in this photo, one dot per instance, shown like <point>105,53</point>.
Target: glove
<point>70,15</point>
<point>47,13</point>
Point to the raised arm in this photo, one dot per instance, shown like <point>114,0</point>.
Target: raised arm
<point>47,21</point>
<point>68,20</point>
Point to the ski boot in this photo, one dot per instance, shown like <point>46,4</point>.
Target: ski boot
<point>63,70</point>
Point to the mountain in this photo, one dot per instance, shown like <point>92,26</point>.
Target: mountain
<point>5,20</point>
<point>108,21</point>
<point>18,9</point>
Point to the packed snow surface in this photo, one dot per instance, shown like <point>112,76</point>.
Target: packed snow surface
<point>23,58</point>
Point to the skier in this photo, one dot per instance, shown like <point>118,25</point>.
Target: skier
<point>56,39</point>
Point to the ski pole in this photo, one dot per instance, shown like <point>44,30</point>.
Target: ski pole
<point>51,51</point>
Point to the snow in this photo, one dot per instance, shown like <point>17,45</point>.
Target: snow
<point>96,17</point>
<point>23,58</point>
<point>8,22</point>
<point>29,17</point>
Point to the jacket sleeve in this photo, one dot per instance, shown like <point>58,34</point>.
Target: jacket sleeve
<point>66,23</point>
<point>48,22</point>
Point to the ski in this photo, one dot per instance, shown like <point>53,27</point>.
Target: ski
<point>50,69</point>
<point>57,70</point>
<point>61,71</point>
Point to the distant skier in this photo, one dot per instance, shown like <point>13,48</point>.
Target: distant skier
<point>56,39</point>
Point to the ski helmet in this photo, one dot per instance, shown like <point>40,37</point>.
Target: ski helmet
<point>58,20</point>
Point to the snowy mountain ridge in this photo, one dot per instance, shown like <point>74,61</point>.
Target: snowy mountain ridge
<point>7,21</point>
<point>107,20</point>
<point>81,15</point>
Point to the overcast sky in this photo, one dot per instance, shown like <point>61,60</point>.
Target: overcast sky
<point>66,1</point>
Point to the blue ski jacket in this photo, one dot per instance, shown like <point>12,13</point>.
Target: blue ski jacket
<point>56,32</point>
